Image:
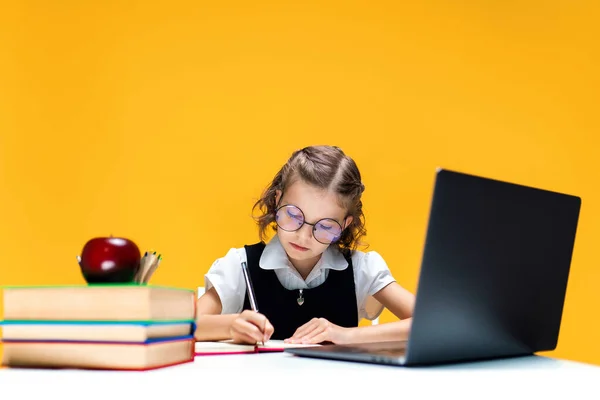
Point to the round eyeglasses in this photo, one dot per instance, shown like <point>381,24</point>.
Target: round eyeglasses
<point>291,218</point>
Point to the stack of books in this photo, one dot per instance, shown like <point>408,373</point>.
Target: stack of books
<point>116,327</point>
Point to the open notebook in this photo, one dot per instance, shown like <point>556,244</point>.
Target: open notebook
<point>228,347</point>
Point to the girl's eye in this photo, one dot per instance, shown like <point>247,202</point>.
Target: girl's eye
<point>326,226</point>
<point>294,215</point>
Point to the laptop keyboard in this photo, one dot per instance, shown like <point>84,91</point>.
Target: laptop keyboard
<point>387,349</point>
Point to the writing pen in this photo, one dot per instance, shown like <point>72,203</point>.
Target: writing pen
<point>250,288</point>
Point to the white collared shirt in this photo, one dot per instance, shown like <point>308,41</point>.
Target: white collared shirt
<point>371,274</point>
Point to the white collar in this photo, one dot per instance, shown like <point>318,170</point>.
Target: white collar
<point>274,257</point>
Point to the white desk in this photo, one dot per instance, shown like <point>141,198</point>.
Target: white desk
<point>283,376</point>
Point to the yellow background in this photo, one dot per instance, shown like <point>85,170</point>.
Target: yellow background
<point>163,121</point>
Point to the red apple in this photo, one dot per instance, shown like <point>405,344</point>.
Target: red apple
<point>110,260</point>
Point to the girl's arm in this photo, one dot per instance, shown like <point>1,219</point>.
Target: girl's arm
<point>394,297</point>
<point>401,303</point>
<point>210,324</point>
<point>247,327</point>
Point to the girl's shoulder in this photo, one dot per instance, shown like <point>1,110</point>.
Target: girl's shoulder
<point>367,260</point>
<point>371,274</point>
<point>231,257</point>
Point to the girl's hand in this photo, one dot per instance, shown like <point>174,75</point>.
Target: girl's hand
<point>319,330</point>
<point>251,327</point>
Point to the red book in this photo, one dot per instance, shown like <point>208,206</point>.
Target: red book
<point>98,355</point>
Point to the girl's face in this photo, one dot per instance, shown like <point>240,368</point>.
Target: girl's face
<point>313,205</point>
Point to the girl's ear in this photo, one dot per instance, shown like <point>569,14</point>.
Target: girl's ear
<point>277,196</point>
<point>348,221</point>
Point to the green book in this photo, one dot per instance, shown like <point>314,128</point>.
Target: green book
<point>98,302</point>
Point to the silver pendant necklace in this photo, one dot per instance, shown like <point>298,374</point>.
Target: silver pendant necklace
<point>300,299</point>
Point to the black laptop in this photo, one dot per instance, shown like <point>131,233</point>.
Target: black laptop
<point>493,276</point>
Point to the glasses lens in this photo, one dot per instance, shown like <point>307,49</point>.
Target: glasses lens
<point>327,231</point>
<point>289,218</point>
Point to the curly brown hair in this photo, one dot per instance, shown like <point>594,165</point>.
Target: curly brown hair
<point>325,167</point>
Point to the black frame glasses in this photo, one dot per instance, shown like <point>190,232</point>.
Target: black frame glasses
<point>320,231</point>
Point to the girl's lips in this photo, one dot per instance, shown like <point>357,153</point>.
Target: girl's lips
<point>299,248</point>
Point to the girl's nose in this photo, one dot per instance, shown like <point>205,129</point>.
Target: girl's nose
<point>306,231</point>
